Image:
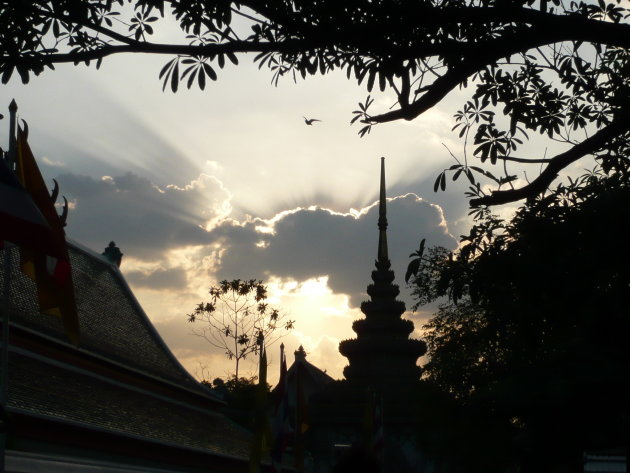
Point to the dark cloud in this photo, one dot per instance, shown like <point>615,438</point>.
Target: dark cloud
<point>452,201</point>
<point>173,278</point>
<point>141,218</point>
<point>309,243</point>
<point>146,221</point>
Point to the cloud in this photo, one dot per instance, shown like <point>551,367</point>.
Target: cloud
<point>171,278</point>
<point>149,223</point>
<point>315,242</point>
<point>52,163</point>
<point>179,239</point>
<point>143,219</point>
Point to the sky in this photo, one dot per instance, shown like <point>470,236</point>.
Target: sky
<point>226,183</point>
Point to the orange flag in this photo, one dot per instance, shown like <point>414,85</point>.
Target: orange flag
<point>51,272</point>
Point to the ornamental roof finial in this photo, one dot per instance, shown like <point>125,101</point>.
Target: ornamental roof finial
<point>382,219</point>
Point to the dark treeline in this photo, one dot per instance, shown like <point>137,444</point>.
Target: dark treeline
<point>530,345</point>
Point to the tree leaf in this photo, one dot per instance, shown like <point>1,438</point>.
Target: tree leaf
<point>202,79</point>
<point>175,77</point>
<point>209,71</point>
<point>436,185</point>
<point>412,269</point>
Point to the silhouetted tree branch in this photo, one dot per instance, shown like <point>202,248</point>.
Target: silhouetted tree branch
<point>181,49</point>
<point>556,164</point>
<point>421,50</point>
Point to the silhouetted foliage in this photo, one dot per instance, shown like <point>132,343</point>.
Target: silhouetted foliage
<point>558,68</point>
<point>534,330</point>
<point>237,319</point>
<point>462,437</point>
<point>240,396</point>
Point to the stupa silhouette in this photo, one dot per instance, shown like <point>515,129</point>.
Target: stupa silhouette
<point>382,369</point>
<point>382,353</point>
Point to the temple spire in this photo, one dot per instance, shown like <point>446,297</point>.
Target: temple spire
<point>383,255</point>
<point>382,354</point>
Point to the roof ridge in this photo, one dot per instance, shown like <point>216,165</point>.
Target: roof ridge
<point>206,392</point>
<point>158,338</point>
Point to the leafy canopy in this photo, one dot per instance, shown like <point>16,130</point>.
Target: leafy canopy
<point>557,68</point>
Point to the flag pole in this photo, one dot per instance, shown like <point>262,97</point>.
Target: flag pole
<point>4,351</point>
<point>12,133</point>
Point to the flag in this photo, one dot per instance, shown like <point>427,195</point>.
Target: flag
<point>50,270</point>
<point>21,222</point>
<point>261,442</point>
<point>373,424</point>
<point>262,370</point>
<point>281,428</point>
<point>301,418</point>
<point>377,442</point>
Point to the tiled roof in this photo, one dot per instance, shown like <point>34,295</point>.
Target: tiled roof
<point>112,323</point>
<point>49,389</point>
<point>318,376</point>
<point>122,381</point>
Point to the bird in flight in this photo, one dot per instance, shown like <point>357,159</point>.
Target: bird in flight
<point>309,121</point>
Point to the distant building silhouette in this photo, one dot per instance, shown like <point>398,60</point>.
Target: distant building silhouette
<point>312,379</point>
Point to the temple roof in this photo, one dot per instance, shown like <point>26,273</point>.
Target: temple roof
<point>120,390</point>
<point>311,377</point>
<point>113,325</point>
<point>51,390</point>
<point>307,369</point>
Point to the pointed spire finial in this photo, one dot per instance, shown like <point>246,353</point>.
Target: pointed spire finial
<point>382,219</point>
<point>300,354</point>
<point>113,253</point>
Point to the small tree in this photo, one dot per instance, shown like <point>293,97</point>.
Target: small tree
<point>237,318</point>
